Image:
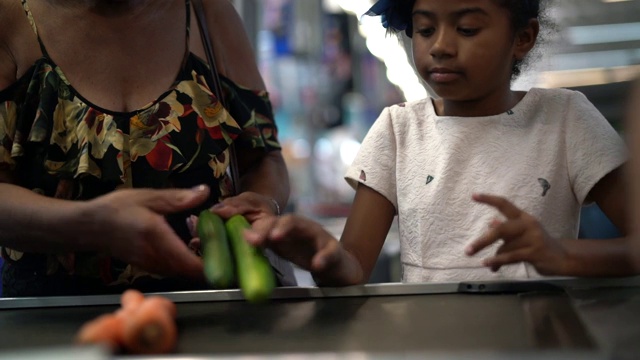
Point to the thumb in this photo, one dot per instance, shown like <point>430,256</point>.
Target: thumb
<point>169,201</point>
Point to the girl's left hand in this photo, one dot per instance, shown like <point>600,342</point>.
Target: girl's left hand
<point>524,240</point>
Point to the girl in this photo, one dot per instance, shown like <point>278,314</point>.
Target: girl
<point>482,177</point>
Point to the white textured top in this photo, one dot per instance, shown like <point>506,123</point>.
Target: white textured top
<point>545,155</point>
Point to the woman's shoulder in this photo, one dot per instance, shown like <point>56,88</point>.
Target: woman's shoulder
<point>8,11</point>
<point>16,42</point>
<point>232,45</point>
<point>7,62</point>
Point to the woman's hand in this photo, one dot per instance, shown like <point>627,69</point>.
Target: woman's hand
<point>130,225</point>
<point>253,206</point>
<point>524,240</point>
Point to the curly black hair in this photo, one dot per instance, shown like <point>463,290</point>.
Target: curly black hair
<point>522,11</point>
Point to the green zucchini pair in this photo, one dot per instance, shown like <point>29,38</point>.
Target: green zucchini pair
<point>226,254</point>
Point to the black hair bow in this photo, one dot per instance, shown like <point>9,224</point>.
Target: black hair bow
<point>392,16</point>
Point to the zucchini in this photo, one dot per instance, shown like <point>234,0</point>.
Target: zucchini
<point>255,275</point>
<point>216,255</point>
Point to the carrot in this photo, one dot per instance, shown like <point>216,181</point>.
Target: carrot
<point>106,329</point>
<point>151,329</point>
<point>131,299</point>
<point>167,304</point>
<point>140,326</point>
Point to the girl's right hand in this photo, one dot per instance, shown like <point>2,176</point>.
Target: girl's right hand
<point>130,225</point>
<point>299,240</point>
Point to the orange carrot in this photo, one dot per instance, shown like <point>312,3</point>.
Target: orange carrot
<point>131,298</point>
<point>140,326</point>
<point>151,329</point>
<point>106,329</point>
<point>167,304</point>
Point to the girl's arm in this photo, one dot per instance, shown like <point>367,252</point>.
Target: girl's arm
<point>608,257</point>
<point>331,262</point>
<point>367,227</point>
<point>525,239</point>
<point>362,239</point>
<point>633,176</point>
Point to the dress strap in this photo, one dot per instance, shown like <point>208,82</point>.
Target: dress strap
<point>188,33</point>
<point>32,22</point>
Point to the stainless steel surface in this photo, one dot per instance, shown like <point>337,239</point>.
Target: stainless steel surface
<point>376,324</point>
<point>236,295</point>
<point>575,319</point>
<point>475,355</point>
<point>613,317</point>
<point>314,292</point>
<point>59,353</point>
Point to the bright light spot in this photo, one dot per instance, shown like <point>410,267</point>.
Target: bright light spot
<point>301,149</point>
<point>387,48</point>
<point>348,151</point>
<point>323,149</point>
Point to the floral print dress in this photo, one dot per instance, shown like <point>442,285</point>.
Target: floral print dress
<point>58,144</point>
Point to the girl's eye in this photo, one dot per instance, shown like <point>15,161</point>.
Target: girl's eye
<point>425,31</point>
<point>468,31</point>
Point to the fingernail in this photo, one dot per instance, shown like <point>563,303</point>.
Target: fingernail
<point>199,188</point>
<point>468,250</point>
<point>320,263</point>
<point>218,206</point>
<point>191,221</point>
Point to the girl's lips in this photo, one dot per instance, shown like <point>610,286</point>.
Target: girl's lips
<point>443,77</point>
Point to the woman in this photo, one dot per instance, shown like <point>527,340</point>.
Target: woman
<point>105,106</point>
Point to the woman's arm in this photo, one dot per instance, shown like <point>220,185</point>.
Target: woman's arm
<point>127,224</point>
<point>31,222</point>
<point>266,175</point>
<point>270,178</point>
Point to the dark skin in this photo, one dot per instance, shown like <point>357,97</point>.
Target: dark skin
<point>82,37</point>
<point>632,124</point>
<point>464,50</point>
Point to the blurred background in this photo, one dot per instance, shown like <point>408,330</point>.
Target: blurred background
<point>331,71</point>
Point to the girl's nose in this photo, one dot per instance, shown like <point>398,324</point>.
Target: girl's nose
<point>443,45</point>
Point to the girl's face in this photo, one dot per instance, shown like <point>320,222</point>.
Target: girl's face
<point>465,49</point>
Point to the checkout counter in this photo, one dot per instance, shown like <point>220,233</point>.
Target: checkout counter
<point>552,319</point>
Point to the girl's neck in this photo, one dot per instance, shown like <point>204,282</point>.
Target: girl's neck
<point>486,106</point>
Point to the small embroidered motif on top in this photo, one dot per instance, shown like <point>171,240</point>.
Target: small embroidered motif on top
<point>363,176</point>
<point>545,186</point>
<point>509,112</point>
<point>429,179</point>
